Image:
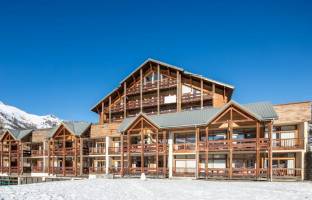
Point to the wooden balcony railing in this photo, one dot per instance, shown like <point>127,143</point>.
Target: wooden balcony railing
<point>189,97</point>
<point>114,150</point>
<point>150,86</point>
<point>41,152</point>
<point>114,170</point>
<point>69,151</point>
<point>37,169</point>
<point>67,170</point>
<point>218,172</point>
<point>148,148</point>
<point>97,170</point>
<point>184,148</point>
<point>97,150</point>
<point>244,144</point>
<point>244,172</point>
<point>288,144</point>
<point>286,172</point>
<point>218,145</point>
<point>184,172</point>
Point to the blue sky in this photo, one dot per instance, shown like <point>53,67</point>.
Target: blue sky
<point>61,57</point>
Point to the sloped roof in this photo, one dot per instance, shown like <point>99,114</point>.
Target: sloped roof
<point>17,134</point>
<point>76,128</point>
<point>261,111</point>
<point>167,65</point>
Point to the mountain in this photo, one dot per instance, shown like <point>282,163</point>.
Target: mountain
<point>14,118</point>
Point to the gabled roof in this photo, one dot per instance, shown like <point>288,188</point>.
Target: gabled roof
<point>17,134</point>
<point>166,65</point>
<point>76,128</point>
<point>262,111</point>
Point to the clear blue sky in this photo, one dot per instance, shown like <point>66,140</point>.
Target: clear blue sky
<point>62,57</point>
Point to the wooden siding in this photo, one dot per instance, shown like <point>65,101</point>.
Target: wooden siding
<point>293,113</point>
<point>98,131</point>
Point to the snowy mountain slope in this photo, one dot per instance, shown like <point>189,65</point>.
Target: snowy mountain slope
<point>14,118</point>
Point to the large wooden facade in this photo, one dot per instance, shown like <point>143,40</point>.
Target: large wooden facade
<point>157,88</point>
<point>235,143</point>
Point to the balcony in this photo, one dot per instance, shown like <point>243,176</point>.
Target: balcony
<point>244,144</point>
<point>189,97</point>
<point>287,172</point>
<point>97,170</point>
<point>184,148</point>
<point>288,144</point>
<point>114,150</point>
<point>96,150</point>
<point>38,153</point>
<point>151,86</point>
<point>184,172</point>
<point>37,169</point>
<point>69,151</point>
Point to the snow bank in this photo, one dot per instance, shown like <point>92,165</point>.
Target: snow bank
<point>135,189</point>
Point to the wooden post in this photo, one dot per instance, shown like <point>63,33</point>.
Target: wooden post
<point>207,152</point>
<point>165,153</point>
<point>270,153</point>
<point>201,93</point>
<point>213,94</point>
<point>1,158</point>
<point>141,90</point>
<point>102,114</point>
<point>109,109</point>
<point>142,147</point>
<point>21,160</point>
<point>128,152</point>
<point>64,153</point>
<point>10,156</point>
<point>231,146</point>
<point>76,157</point>
<point>257,149</point>
<point>81,156</point>
<point>158,96</point>
<point>125,100</point>
<point>122,155</point>
<point>157,152</point>
<point>197,152</point>
<point>179,96</point>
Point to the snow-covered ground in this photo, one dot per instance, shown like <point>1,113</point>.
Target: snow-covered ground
<point>129,189</point>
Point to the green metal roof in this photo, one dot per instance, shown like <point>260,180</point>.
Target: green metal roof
<point>17,134</point>
<point>262,111</point>
<point>77,128</point>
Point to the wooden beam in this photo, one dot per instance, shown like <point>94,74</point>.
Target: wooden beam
<point>201,93</point>
<point>179,96</point>
<point>197,152</point>
<point>102,114</point>
<point>142,147</point>
<point>207,152</point>
<point>231,145</point>
<point>141,90</point>
<point>76,160</point>
<point>270,174</point>
<point>158,96</point>
<point>213,94</point>
<point>125,100</point>
<point>128,152</point>
<point>81,156</point>
<point>257,149</point>
<point>165,153</point>
<point>109,109</point>
<point>122,155</point>
<point>157,152</point>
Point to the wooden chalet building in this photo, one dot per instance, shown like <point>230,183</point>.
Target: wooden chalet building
<point>166,122</point>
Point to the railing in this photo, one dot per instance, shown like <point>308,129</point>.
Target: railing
<point>14,169</point>
<point>37,169</point>
<point>244,172</point>
<point>218,145</point>
<point>189,97</point>
<point>286,172</point>
<point>184,148</point>
<point>97,170</point>
<point>114,170</point>
<point>114,150</point>
<point>244,144</point>
<point>65,171</point>
<point>147,148</point>
<point>69,151</point>
<point>97,150</point>
<point>38,153</point>
<point>286,144</point>
<point>150,86</point>
<point>184,172</point>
